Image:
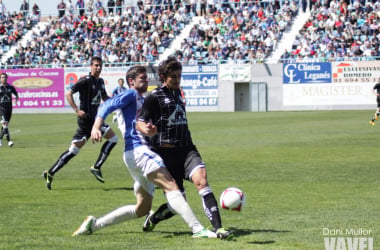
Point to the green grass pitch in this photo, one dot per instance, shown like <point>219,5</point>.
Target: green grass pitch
<point>306,175</point>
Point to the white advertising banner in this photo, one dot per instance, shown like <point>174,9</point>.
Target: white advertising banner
<point>109,75</point>
<point>235,72</point>
<point>351,84</point>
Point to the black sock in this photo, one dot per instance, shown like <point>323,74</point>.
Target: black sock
<point>62,160</point>
<point>6,133</point>
<point>104,152</point>
<point>210,207</point>
<point>162,213</point>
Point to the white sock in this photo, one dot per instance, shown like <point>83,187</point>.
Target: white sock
<point>117,216</point>
<point>180,206</point>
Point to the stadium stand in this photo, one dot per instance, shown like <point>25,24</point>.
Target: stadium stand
<point>338,31</point>
<point>224,32</point>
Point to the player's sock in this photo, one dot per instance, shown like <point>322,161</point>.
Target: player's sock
<point>210,207</point>
<point>7,135</point>
<point>117,216</point>
<point>62,160</point>
<point>178,203</point>
<point>162,213</point>
<point>104,152</point>
<point>4,131</point>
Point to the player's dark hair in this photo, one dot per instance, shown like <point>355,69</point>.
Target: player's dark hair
<point>134,71</point>
<point>168,66</point>
<point>4,74</point>
<point>96,58</point>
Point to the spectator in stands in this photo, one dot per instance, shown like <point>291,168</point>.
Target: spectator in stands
<point>36,13</point>
<point>111,6</point>
<point>98,5</point>
<point>25,8</point>
<point>3,9</point>
<point>81,7</point>
<point>119,6</point>
<point>90,6</point>
<point>70,7</point>
<point>61,8</point>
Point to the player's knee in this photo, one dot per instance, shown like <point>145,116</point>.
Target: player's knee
<point>199,178</point>
<point>73,149</point>
<point>113,139</point>
<point>142,209</point>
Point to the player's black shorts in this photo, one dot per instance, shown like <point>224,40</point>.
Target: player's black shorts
<point>85,127</point>
<point>180,162</point>
<point>5,114</point>
<point>378,101</point>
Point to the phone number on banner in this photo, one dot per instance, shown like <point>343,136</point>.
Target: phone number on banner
<point>201,101</point>
<point>40,103</point>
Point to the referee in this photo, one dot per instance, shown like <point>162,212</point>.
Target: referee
<point>6,91</point>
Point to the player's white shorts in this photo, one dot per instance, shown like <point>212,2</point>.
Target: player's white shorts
<point>140,162</point>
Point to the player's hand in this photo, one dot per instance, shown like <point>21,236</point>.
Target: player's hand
<point>96,135</point>
<point>151,129</point>
<point>81,113</point>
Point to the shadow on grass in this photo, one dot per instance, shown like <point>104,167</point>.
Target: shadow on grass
<point>237,233</point>
<point>241,232</point>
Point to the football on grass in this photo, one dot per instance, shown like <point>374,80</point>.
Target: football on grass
<point>232,199</point>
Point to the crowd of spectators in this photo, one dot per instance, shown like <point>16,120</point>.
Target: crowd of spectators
<point>227,32</point>
<point>136,35</point>
<point>338,31</point>
<point>244,33</point>
<point>13,26</point>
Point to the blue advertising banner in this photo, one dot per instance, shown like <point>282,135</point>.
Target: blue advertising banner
<point>296,73</point>
<point>200,85</point>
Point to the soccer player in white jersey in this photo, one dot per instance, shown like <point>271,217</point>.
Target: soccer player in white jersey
<point>145,166</point>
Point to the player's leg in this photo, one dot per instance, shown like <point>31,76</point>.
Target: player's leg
<point>176,201</point>
<point>195,170</point>
<point>2,121</point>
<point>4,126</point>
<point>105,151</point>
<point>79,140</point>
<point>160,176</point>
<point>172,159</point>
<point>144,191</point>
<point>6,115</point>
<point>375,116</point>
<point>119,215</point>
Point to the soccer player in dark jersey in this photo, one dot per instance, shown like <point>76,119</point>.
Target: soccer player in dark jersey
<point>6,92</point>
<point>145,166</point>
<point>165,109</point>
<point>376,92</point>
<point>91,91</point>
